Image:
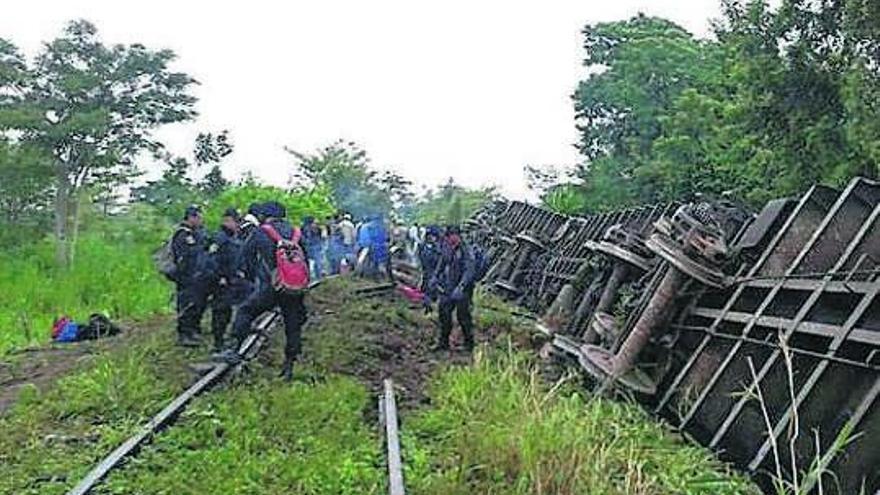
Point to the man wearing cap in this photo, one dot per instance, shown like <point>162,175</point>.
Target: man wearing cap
<point>189,246</point>
<point>454,281</point>
<point>259,253</point>
<point>230,287</point>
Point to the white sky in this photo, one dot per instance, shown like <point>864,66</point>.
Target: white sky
<point>468,89</point>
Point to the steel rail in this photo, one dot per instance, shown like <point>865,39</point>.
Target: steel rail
<point>388,415</point>
<point>248,348</point>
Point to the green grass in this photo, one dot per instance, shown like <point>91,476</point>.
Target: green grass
<point>112,273</point>
<point>254,435</point>
<point>50,439</point>
<point>494,428</point>
<point>264,438</point>
<point>259,434</point>
<point>491,428</point>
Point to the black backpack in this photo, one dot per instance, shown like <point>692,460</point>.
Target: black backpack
<point>99,326</point>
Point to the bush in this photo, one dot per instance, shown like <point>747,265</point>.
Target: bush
<point>314,202</point>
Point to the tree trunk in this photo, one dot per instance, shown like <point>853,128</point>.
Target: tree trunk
<point>74,227</point>
<point>62,204</point>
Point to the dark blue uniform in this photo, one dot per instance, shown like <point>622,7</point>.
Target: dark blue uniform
<point>258,255</point>
<point>429,257</point>
<point>454,279</point>
<point>193,278</point>
<point>314,247</point>
<point>230,287</point>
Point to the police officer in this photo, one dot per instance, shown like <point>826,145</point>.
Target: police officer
<point>189,246</point>
<point>259,252</point>
<point>230,285</point>
<point>454,281</point>
<point>429,257</point>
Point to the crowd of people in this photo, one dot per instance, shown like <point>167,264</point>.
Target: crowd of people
<point>231,271</point>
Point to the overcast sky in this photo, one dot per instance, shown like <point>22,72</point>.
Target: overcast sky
<point>468,89</point>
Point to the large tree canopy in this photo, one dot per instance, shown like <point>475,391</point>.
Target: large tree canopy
<point>91,107</point>
<point>355,186</point>
<point>779,100</point>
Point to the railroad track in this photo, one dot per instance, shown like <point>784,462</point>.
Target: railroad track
<point>389,422</point>
<point>252,345</point>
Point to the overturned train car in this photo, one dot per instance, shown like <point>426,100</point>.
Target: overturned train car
<point>756,334</point>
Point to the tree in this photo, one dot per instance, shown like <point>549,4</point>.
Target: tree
<point>450,203</point>
<point>176,188</point>
<point>212,149</point>
<point>783,98</point>
<point>637,70</point>
<point>355,186</point>
<point>25,182</point>
<point>397,187</point>
<point>93,108</point>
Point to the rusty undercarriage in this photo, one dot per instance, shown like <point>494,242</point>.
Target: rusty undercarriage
<point>756,334</point>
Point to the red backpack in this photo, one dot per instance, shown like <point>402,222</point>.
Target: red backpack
<point>291,274</point>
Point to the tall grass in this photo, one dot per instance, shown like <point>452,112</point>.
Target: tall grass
<point>50,439</point>
<point>111,273</point>
<point>494,428</point>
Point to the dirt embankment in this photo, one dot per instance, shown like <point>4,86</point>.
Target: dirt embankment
<point>376,337</point>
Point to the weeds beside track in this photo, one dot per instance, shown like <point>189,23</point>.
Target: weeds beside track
<point>490,424</point>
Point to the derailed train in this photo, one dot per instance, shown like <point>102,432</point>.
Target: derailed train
<point>690,305</point>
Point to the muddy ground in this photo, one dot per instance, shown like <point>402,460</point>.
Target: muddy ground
<point>376,337</point>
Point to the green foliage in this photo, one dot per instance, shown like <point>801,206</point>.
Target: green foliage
<point>170,194</point>
<point>345,171</point>
<point>92,108</point>
<point>177,189</point>
<point>314,202</point>
<point>448,204</point>
<point>113,274</point>
<point>565,198</point>
<point>781,99</point>
<point>50,439</point>
<point>25,177</point>
<point>493,428</point>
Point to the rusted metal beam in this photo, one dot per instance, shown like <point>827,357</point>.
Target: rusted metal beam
<point>805,278</point>
<point>840,337</point>
<point>768,299</point>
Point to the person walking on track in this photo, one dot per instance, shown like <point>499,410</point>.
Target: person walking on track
<point>260,251</point>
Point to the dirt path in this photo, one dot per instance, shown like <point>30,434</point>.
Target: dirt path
<point>41,367</point>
